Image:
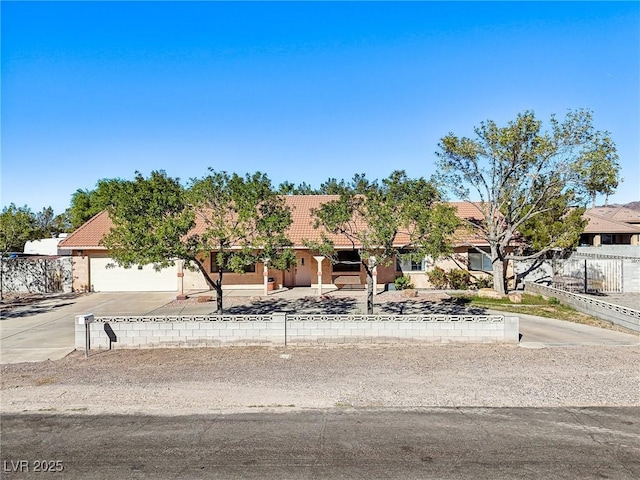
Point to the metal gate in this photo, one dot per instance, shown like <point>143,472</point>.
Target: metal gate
<point>589,275</point>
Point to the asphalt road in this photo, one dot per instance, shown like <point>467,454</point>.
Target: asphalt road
<point>439,443</point>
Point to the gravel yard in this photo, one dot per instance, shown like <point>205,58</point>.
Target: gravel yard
<point>188,381</point>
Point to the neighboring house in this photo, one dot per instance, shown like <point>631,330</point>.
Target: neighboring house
<point>95,270</point>
<point>611,226</point>
<point>607,260</point>
<point>47,246</point>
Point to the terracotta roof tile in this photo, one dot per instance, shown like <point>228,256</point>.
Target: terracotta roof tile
<point>599,224</point>
<point>617,214</point>
<point>90,234</point>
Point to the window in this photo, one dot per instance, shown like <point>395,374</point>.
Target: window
<point>410,263</point>
<point>214,265</point>
<point>348,261</point>
<point>479,262</point>
<point>606,239</point>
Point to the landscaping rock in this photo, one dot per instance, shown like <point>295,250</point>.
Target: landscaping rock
<point>515,298</point>
<point>410,293</point>
<point>204,298</point>
<point>489,293</point>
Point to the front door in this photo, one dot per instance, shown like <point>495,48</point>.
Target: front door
<point>303,272</point>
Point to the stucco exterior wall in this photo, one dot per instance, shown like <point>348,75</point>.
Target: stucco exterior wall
<point>80,269</point>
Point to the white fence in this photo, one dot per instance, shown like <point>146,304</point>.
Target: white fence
<point>584,272</point>
<point>284,329</point>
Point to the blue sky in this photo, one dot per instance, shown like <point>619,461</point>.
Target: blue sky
<point>301,91</point>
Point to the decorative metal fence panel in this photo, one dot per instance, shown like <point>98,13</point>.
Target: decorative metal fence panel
<point>187,318</point>
<point>584,275</point>
<point>306,318</point>
<point>396,318</point>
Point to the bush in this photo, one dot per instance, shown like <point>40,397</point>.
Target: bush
<point>554,301</point>
<point>458,279</point>
<point>403,282</point>
<point>438,278</point>
<point>484,282</point>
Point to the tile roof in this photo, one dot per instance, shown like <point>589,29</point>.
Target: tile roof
<point>601,224</point>
<point>616,213</point>
<point>90,234</point>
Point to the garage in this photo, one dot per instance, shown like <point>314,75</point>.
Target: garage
<point>106,276</point>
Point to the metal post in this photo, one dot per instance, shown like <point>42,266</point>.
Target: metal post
<point>86,320</point>
<point>585,276</point>
<point>87,340</point>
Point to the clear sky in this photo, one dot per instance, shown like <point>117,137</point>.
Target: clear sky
<point>301,91</point>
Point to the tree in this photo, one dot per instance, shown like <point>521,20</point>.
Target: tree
<point>51,225</point>
<point>385,220</point>
<point>242,220</point>
<point>289,188</point>
<point>529,183</point>
<point>17,226</point>
<point>85,204</point>
<point>245,222</point>
<point>151,222</point>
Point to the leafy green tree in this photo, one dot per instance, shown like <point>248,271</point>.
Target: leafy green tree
<point>151,222</point>
<point>85,204</point>
<point>245,222</point>
<point>289,188</point>
<point>18,225</point>
<point>384,220</point>
<point>528,181</point>
<point>51,225</point>
<point>240,218</point>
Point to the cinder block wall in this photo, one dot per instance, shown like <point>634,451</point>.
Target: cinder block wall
<point>273,329</point>
<point>141,334</point>
<point>381,332</point>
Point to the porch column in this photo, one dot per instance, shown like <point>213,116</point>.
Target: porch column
<point>319,259</point>
<point>265,276</point>
<point>180,265</point>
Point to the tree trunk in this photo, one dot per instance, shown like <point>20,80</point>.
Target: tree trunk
<point>369,289</point>
<point>217,285</point>
<point>218,289</point>
<point>1,276</point>
<point>499,277</point>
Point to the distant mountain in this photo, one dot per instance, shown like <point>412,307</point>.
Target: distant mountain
<point>631,205</point>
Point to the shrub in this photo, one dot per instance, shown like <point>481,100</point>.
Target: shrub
<point>458,279</point>
<point>438,278</point>
<point>484,282</point>
<point>403,282</point>
<point>554,301</point>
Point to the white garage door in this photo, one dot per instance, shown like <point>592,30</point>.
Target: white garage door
<point>118,279</point>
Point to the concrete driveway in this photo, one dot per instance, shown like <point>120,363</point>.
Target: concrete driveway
<point>540,332</point>
<point>45,330</point>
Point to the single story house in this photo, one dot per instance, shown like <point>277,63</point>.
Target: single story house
<point>611,225</point>
<point>95,270</point>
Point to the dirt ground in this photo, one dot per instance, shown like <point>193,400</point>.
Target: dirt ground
<point>206,380</point>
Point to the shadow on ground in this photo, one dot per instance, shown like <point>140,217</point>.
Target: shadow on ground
<point>449,306</point>
<point>328,305</point>
<point>33,304</point>
<point>308,305</point>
